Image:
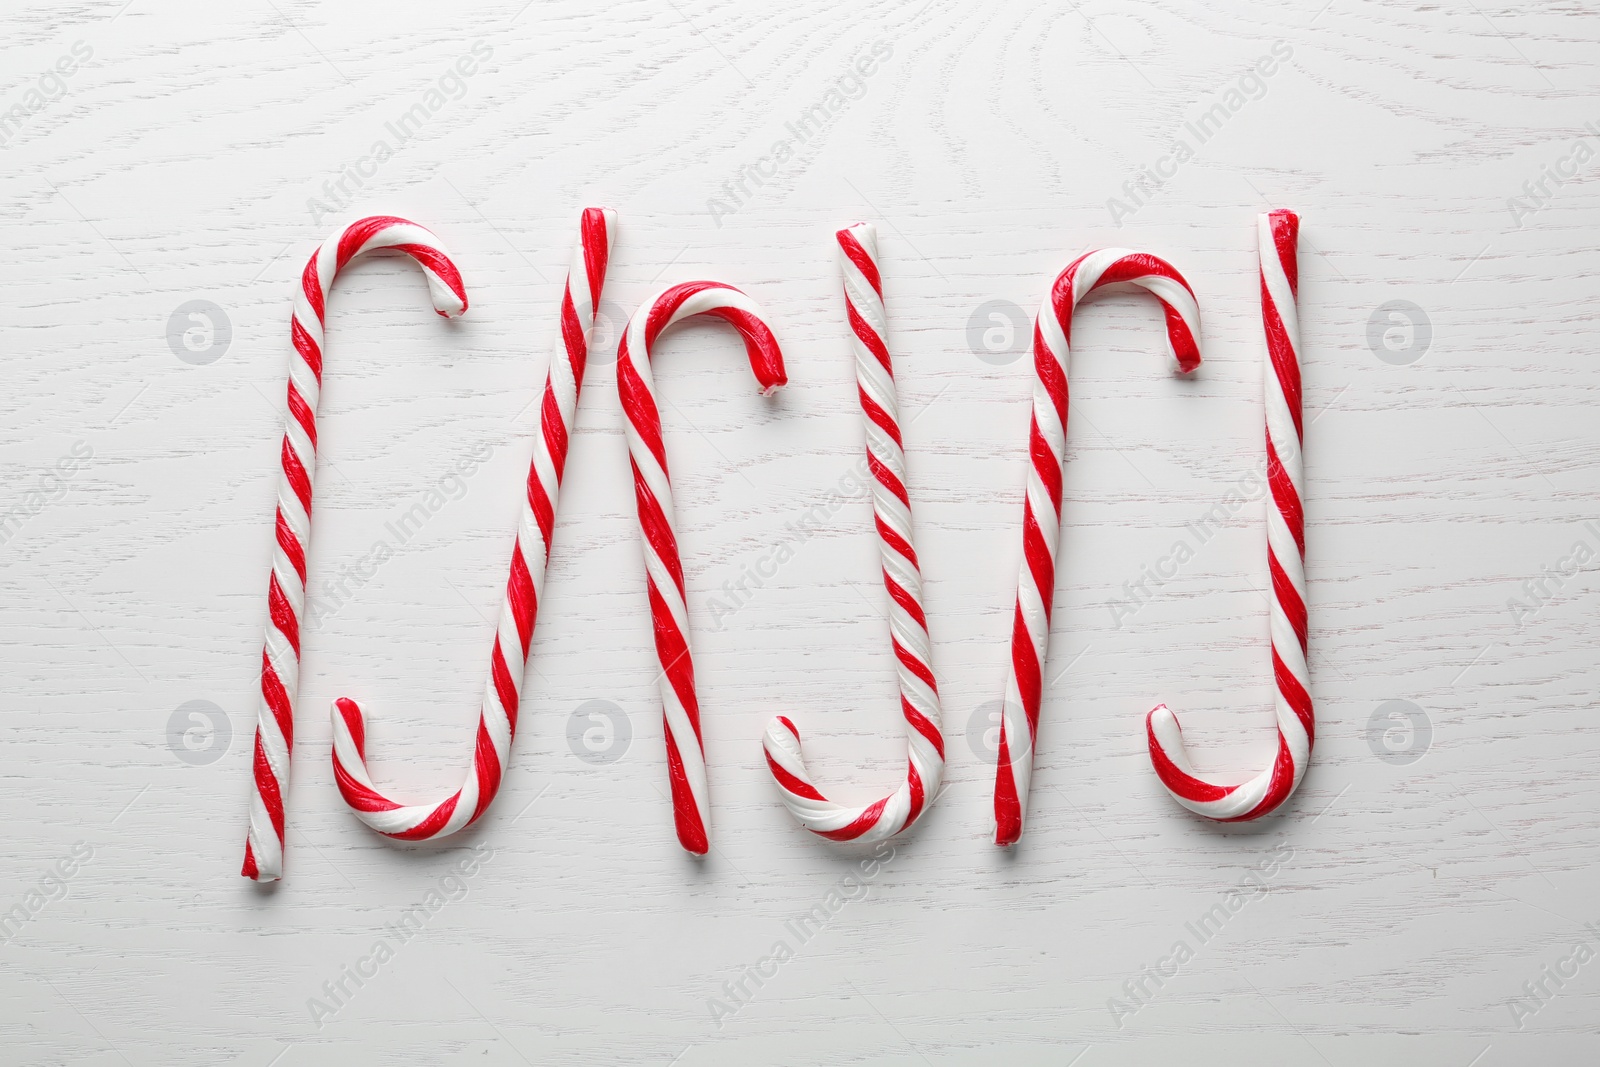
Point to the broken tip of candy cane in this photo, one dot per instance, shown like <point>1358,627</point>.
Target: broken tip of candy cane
<point>902,580</point>
<point>1277,238</point>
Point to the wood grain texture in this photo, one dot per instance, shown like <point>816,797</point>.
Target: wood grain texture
<point>176,164</point>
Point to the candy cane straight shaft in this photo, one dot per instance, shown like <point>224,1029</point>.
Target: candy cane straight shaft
<point>1279,233</point>
<point>1041,516</point>
<point>902,579</point>
<point>508,660</point>
<point>686,761</point>
<point>286,589</point>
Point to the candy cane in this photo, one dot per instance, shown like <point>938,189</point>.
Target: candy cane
<point>508,662</point>
<point>286,590</point>
<point>1041,516</point>
<point>686,760</point>
<point>1286,549</point>
<point>902,578</point>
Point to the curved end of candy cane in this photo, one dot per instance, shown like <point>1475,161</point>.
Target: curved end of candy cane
<point>1183,323</point>
<point>1241,802</point>
<point>787,765</point>
<point>350,764</point>
<point>766,359</point>
<point>403,822</point>
<point>445,288</point>
<point>446,302</point>
<point>685,300</point>
<point>350,755</point>
<point>760,344</point>
<point>868,824</point>
<point>1117,268</point>
<point>1165,737</point>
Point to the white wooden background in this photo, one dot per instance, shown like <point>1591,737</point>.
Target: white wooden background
<point>1435,860</point>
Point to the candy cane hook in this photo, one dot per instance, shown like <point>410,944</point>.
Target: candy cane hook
<point>508,662</point>
<point>1279,233</point>
<point>686,760</point>
<point>286,589</point>
<point>902,579</point>
<point>1041,515</point>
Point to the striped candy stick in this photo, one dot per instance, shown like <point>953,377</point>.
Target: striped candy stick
<point>508,661</point>
<point>286,589</point>
<point>686,761</point>
<point>1041,517</point>
<point>902,578</point>
<point>1279,233</point>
